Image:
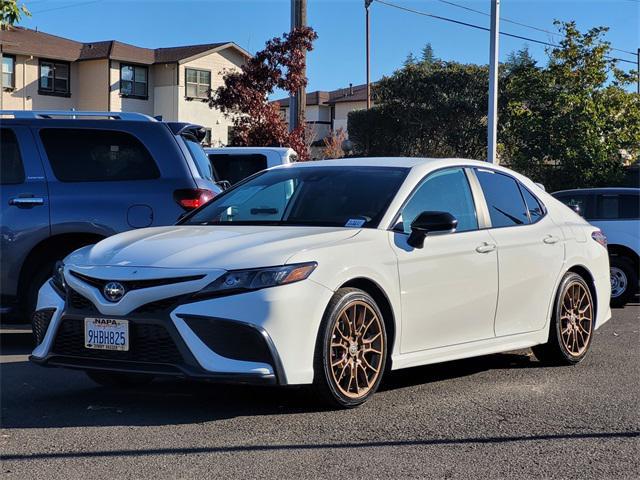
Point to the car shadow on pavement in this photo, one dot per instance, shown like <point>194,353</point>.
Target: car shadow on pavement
<point>36,397</point>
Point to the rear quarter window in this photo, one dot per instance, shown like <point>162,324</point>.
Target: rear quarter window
<point>91,155</point>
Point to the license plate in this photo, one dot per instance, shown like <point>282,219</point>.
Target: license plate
<point>106,334</point>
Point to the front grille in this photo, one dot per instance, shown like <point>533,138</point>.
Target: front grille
<point>159,306</point>
<point>79,302</point>
<point>136,284</point>
<point>149,343</point>
<point>40,321</point>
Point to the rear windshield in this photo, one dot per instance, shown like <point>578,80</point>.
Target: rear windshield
<point>199,158</point>
<point>236,167</point>
<point>345,196</point>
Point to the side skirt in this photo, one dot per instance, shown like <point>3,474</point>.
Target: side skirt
<point>470,349</point>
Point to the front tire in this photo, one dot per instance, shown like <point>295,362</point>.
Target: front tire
<point>624,280</point>
<point>571,328</point>
<point>351,350</point>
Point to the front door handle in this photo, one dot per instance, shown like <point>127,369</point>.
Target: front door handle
<point>486,247</point>
<point>26,201</point>
<point>550,239</point>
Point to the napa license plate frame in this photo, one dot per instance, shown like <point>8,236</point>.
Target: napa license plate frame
<point>106,334</point>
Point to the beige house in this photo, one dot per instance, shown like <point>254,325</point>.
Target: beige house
<point>329,111</point>
<point>46,72</point>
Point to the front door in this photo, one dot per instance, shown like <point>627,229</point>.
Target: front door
<point>25,204</point>
<point>449,287</point>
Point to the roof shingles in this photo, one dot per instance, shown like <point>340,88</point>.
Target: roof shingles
<point>24,41</point>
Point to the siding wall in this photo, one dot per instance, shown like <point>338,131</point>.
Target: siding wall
<point>25,94</point>
<point>118,103</point>
<point>196,110</point>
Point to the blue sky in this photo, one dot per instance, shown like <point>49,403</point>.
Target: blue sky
<point>338,57</point>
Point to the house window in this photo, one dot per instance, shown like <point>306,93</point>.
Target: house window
<point>198,83</point>
<point>206,141</point>
<point>54,78</point>
<point>134,81</point>
<point>8,71</point>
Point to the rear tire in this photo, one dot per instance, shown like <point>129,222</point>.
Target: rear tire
<point>624,280</point>
<point>351,350</point>
<point>119,380</point>
<point>571,329</point>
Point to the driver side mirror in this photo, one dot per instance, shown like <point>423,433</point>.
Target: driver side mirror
<point>430,222</point>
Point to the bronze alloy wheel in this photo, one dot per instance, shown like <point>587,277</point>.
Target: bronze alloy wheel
<point>576,319</point>
<point>356,350</point>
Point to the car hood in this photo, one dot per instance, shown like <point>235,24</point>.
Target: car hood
<point>207,247</point>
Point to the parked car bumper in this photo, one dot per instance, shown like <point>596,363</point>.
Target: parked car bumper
<point>261,337</point>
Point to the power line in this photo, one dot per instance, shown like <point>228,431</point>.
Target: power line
<point>507,20</point>
<point>66,6</point>
<point>480,27</point>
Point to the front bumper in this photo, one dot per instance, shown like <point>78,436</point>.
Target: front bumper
<point>262,337</point>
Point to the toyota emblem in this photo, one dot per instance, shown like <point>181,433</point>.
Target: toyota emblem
<point>113,291</point>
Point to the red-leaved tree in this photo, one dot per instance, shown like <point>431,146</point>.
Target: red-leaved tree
<point>244,95</point>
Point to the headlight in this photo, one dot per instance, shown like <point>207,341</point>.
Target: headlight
<point>57,277</point>
<point>237,281</point>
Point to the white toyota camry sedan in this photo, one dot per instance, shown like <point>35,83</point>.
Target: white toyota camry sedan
<point>331,273</point>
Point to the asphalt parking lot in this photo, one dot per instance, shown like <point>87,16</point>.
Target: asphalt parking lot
<point>496,416</point>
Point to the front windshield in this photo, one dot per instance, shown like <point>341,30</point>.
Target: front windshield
<point>337,196</point>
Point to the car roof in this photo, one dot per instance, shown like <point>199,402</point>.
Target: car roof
<point>247,149</point>
<point>603,190</point>
<point>402,162</point>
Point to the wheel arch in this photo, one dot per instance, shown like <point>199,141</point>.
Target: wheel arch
<point>50,248</point>
<point>618,250</point>
<point>382,300</point>
<point>588,278</point>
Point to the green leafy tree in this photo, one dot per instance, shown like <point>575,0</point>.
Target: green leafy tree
<point>11,13</point>
<point>571,124</point>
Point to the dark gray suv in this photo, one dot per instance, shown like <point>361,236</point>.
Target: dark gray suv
<point>70,179</point>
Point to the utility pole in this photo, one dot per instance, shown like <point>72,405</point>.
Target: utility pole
<point>492,117</point>
<point>367,4</point>
<point>638,70</point>
<point>298,101</point>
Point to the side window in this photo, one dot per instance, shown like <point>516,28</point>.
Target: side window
<point>234,168</point>
<point>87,155</point>
<point>580,200</point>
<point>505,203</point>
<point>535,208</point>
<point>630,206</point>
<point>443,191</point>
<point>12,170</point>
<point>618,206</point>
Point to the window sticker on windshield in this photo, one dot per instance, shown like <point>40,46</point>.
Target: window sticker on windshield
<point>355,222</point>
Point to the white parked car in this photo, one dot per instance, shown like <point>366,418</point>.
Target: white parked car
<point>616,211</point>
<point>232,164</point>
<point>328,273</point>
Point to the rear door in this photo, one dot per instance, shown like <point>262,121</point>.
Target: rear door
<point>24,213</point>
<point>530,253</point>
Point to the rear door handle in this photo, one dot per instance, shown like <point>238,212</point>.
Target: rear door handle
<point>551,239</point>
<point>486,247</point>
<point>26,201</point>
